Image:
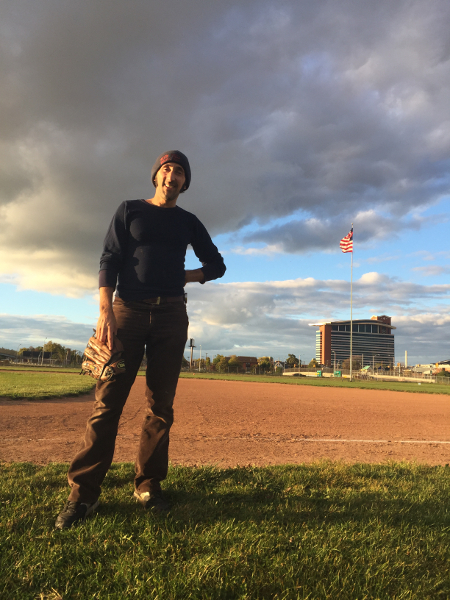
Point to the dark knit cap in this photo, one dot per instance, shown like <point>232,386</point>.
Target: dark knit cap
<point>173,156</point>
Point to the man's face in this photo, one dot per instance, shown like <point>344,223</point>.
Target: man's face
<point>170,180</point>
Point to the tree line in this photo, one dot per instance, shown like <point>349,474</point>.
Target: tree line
<point>222,364</point>
<point>60,355</point>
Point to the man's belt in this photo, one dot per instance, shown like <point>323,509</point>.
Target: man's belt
<point>165,299</point>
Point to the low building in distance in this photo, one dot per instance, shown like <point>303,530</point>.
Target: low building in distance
<point>373,340</point>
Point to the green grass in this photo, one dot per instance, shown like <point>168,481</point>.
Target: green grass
<point>326,530</point>
<point>43,385</point>
<point>40,369</point>
<point>396,386</point>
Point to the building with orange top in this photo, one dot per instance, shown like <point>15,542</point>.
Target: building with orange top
<point>373,340</point>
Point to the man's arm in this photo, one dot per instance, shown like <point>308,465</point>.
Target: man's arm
<point>192,275</point>
<point>213,266</point>
<point>106,324</point>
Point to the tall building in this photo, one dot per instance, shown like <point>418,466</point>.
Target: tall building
<point>372,339</point>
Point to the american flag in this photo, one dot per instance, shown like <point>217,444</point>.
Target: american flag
<point>347,242</point>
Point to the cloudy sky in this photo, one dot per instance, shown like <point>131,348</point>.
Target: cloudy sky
<point>298,118</point>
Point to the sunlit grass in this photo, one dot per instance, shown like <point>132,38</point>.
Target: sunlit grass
<point>326,530</point>
<point>43,385</point>
<point>396,386</point>
<point>39,368</point>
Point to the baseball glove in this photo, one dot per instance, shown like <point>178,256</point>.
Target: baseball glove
<point>100,362</point>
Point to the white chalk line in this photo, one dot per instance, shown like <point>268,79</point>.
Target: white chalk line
<point>319,440</point>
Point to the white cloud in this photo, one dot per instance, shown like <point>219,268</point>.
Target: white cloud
<point>274,317</point>
<point>432,270</point>
<point>266,251</point>
<point>28,331</point>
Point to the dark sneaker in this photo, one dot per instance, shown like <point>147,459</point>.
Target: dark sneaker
<point>73,513</point>
<point>152,501</point>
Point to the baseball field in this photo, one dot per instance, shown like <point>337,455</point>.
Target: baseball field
<point>278,491</point>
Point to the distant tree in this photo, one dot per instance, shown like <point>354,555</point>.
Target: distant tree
<point>77,355</point>
<point>265,363</point>
<point>184,363</point>
<point>198,363</point>
<point>234,363</point>
<point>22,350</point>
<point>443,373</point>
<point>208,363</point>
<point>220,362</point>
<point>313,363</point>
<point>59,352</point>
<point>356,363</point>
<point>291,360</point>
<point>7,351</point>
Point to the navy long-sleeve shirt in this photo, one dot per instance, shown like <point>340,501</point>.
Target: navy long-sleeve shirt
<point>145,247</point>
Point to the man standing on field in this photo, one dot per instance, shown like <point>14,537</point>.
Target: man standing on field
<point>143,261</point>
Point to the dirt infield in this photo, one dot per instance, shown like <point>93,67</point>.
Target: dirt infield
<point>232,423</point>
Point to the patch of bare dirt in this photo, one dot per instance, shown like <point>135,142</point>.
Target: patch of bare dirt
<point>232,423</point>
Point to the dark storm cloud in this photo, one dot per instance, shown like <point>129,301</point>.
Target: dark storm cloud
<point>328,108</point>
<point>299,236</point>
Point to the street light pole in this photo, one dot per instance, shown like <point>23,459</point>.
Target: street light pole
<point>42,363</point>
<point>200,361</point>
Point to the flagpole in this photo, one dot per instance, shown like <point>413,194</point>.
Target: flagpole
<point>351,313</point>
<point>346,245</point>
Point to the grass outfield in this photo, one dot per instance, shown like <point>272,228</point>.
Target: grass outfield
<point>396,386</point>
<point>43,369</point>
<point>326,530</point>
<point>38,383</point>
<point>43,385</point>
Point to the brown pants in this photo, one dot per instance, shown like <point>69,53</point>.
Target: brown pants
<point>160,330</point>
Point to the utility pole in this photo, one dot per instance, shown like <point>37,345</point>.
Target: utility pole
<point>191,346</point>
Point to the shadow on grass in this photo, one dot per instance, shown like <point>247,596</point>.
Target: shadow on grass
<point>325,492</point>
<point>340,531</point>
<point>290,494</point>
